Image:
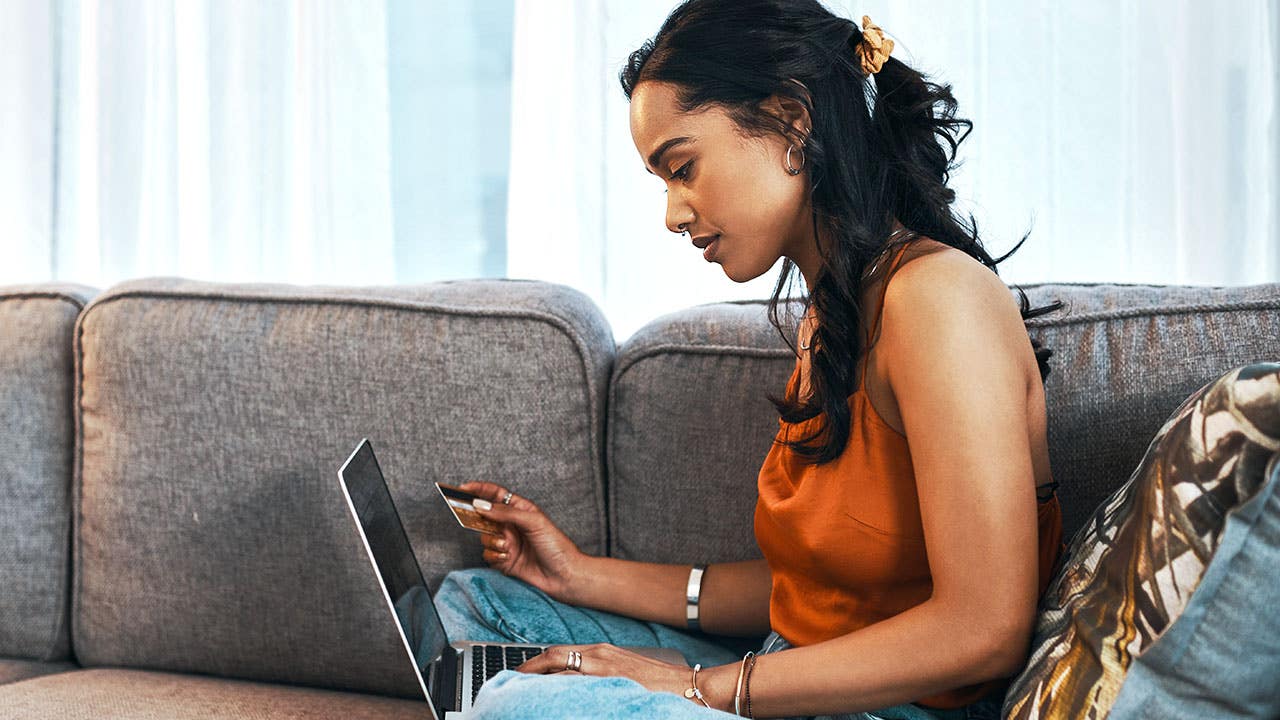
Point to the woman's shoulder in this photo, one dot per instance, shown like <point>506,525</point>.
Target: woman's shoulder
<point>934,272</point>
<point>942,295</point>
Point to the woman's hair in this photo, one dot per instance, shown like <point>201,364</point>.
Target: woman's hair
<point>868,164</point>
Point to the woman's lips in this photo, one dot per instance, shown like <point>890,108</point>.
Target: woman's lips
<point>709,253</point>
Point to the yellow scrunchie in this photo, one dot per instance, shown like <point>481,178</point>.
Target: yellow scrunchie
<point>874,48</point>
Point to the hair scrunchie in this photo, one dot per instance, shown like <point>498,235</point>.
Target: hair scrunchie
<point>874,48</point>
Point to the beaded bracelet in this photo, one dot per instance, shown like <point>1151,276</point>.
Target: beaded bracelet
<point>747,685</point>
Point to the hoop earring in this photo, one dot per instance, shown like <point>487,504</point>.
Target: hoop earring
<point>803,159</point>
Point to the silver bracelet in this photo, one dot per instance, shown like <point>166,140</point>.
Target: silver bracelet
<point>737,695</point>
<point>691,594</point>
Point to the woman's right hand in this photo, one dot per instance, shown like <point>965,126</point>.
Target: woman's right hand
<point>531,547</point>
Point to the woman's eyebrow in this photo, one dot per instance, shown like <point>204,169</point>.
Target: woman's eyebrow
<point>656,156</point>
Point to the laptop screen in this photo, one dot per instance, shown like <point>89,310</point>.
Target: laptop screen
<point>393,557</point>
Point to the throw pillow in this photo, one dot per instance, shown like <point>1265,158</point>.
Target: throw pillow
<point>1151,586</point>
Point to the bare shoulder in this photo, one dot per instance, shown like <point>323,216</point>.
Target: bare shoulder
<point>934,278</point>
<point>941,297</point>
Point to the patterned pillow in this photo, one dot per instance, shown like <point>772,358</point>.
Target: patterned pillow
<point>1118,617</point>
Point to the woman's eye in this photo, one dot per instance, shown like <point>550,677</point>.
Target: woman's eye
<point>682,173</point>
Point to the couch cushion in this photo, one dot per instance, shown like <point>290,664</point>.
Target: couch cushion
<point>688,429</point>
<point>36,322</point>
<point>212,535</point>
<point>1124,357</point>
<point>15,670</point>
<point>1139,609</point>
<point>120,694</point>
<point>689,421</point>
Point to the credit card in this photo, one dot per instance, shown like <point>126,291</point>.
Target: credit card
<point>462,503</point>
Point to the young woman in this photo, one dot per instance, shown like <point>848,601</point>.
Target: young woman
<point>906,511</point>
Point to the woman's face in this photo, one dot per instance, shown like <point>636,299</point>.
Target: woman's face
<point>721,183</point>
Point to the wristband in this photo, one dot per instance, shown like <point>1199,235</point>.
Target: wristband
<point>691,594</point>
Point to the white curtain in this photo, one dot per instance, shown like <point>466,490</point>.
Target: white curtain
<point>204,138</point>
<point>1137,141</point>
<point>238,140</point>
<point>26,140</point>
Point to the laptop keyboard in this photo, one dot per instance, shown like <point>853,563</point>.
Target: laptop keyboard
<point>489,660</point>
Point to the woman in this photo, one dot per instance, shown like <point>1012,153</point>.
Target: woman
<point>783,131</point>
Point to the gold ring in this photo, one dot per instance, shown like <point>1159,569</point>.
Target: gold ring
<point>507,500</point>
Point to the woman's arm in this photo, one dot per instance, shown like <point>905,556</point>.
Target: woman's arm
<point>734,599</point>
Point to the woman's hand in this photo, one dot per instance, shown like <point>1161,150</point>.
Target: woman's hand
<point>603,659</point>
<point>531,547</point>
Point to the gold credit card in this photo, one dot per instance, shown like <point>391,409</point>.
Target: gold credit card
<point>462,503</point>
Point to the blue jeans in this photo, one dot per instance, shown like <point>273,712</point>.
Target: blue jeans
<point>483,605</point>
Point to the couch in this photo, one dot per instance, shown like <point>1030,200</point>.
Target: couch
<point>177,541</point>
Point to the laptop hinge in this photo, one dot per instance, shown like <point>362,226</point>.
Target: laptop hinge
<point>446,690</point>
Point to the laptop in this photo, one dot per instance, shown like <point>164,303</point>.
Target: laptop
<point>450,672</point>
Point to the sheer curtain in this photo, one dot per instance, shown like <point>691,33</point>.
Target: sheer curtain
<point>1138,143</point>
<point>203,138</point>
<point>238,140</point>
<point>26,141</point>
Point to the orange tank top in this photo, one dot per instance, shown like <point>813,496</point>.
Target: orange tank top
<point>845,542</point>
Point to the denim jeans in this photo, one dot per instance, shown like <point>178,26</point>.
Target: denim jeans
<point>483,605</point>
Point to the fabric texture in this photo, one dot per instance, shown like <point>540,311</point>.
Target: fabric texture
<point>213,419</point>
<point>1123,357</point>
<point>123,694</point>
<point>1221,658</point>
<point>36,323</point>
<point>1127,597</point>
<point>483,605</point>
<point>864,560</point>
<point>15,670</point>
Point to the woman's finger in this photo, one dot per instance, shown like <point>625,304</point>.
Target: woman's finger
<point>494,493</point>
<point>551,660</point>
<point>495,557</point>
<point>486,490</point>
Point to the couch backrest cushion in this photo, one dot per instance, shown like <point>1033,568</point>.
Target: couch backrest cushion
<point>688,429</point>
<point>1124,357</point>
<point>212,533</point>
<point>36,322</point>
<point>689,424</point>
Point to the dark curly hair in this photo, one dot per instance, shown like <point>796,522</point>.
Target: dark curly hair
<point>873,153</point>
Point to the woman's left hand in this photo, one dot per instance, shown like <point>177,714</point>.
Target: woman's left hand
<point>603,659</point>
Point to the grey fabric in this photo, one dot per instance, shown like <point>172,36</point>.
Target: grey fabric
<point>689,423</point>
<point>1124,357</point>
<point>211,531</point>
<point>121,694</point>
<point>15,670</point>
<point>36,323</point>
<point>688,429</point>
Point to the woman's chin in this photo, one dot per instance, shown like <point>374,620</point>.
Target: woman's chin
<point>734,272</point>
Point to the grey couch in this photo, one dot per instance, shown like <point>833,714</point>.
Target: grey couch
<point>176,543</point>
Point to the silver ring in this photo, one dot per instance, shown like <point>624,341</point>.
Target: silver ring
<point>507,500</point>
<point>574,662</point>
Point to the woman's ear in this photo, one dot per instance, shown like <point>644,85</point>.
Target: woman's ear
<point>791,112</point>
